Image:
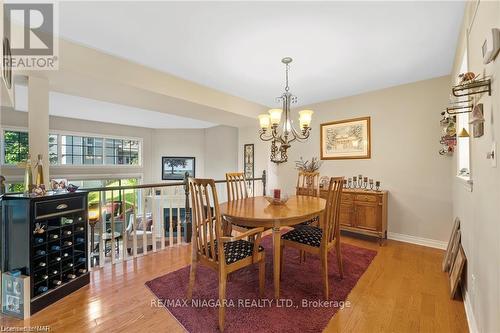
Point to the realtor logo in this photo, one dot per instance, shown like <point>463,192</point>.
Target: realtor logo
<point>30,29</point>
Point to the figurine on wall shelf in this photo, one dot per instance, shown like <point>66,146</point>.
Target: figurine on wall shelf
<point>468,77</point>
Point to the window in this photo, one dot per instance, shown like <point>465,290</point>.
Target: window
<point>122,152</point>
<point>81,150</point>
<point>463,143</point>
<point>16,147</point>
<point>67,149</point>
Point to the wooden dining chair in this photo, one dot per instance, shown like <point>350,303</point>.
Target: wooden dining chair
<point>308,183</point>
<point>320,240</point>
<point>236,190</point>
<point>235,252</point>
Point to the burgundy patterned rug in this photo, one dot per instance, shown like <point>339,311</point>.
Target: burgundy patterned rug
<point>300,309</point>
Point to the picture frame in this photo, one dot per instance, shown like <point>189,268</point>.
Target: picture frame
<point>346,139</point>
<point>175,167</point>
<point>456,271</point>
<point>447,256</point>
<point>249,164</point>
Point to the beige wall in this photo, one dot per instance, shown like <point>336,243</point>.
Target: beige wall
<point>479,210</point>
<point>405,143</point>
<point>221,147</point>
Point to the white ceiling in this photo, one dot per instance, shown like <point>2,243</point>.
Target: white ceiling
<point>70,106</point>
<point>339,48</point>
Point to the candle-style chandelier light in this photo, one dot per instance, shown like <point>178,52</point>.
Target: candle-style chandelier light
<point>283,133</point>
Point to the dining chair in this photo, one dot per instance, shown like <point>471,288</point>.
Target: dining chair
<point>236,190</point>
<point>235,252</point>
<point>320,240</point>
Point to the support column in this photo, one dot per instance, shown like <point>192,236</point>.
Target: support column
<point>38,121</point>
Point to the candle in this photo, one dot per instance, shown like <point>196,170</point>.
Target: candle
<point>377,183</point>
<point>345,181</point>
<point>360,177</point>
<point>355,179</point>
<point>371,181</point>
<point>365,179</point>
<point>277,193</point>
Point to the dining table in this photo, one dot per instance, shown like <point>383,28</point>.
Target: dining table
<point>259,212</point>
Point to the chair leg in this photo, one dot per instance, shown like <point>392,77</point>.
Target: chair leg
<point>262,276</point>
<point>324,271</point>
<point>192,277</point>
<point>222,297</point>
<point>301,256</point>
<point>304,253</point>
<point>339,259</point>
<point>282,259</point>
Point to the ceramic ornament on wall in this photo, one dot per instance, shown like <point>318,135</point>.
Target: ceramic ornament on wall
<point>477,121</point>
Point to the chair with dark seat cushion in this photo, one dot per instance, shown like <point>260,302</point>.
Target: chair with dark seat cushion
<point>320,240</point>
<point>236,253</point>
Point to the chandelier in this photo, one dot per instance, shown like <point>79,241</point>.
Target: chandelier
<point>283,133</point>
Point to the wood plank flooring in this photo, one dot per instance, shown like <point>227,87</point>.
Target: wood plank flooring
<point>403,290</point>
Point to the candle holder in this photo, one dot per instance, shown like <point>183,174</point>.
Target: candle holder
<point>365,182</point>
<point>377,185</point>
<point>371,184</point>
<point>345,183</point>
<point>354,182</point>
<point>349,183</point>
<point>360,181</point>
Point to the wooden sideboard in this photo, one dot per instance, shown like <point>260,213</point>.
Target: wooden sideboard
<point>363,212</point>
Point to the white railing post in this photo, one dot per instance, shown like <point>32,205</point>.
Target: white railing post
<point>162,217</point>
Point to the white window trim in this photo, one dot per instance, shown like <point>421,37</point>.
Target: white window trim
<point>59,133</point>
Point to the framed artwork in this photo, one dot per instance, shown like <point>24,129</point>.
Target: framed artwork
<point>346,139</point>
<point>447,256</point>
<point>174,168</point>
<point>456,271</point>
<point>248,164</point>
<point>454,250</point>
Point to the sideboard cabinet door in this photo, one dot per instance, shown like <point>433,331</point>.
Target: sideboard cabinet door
<point>368,216</point>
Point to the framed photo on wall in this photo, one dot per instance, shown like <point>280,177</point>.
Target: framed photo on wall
<point>174,167</point>
<point>346,139</point>
<point>248,163</point>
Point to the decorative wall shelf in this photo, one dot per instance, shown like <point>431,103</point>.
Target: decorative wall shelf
<point>472,88</point>
<point>452,110</point>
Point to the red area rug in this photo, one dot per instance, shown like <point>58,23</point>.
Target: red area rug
<point>300,309</point>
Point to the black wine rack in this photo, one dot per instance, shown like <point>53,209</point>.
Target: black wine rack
<point>46,238</point>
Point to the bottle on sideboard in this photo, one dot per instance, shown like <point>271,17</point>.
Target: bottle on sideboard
<point>42,289</point>
<point>40,252</point>
<point>55,247</point>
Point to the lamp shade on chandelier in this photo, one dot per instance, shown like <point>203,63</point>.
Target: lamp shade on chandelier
<point>277,126</point>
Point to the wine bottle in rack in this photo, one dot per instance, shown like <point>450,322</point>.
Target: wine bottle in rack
<point>57,258</point>
<point>53,236</point>
<point>65,255</point>
<point>41,264</point>
<point>68,243</point>
<point>80,229</point>
<point>55,247</point>
<point>71,276</point>
<point>44,277</point>
<point>38,240</point>
<point>55,272</point>
<point>69,264</point>
<point>80,240</point>
<point>56,282</point>
<point>40,252</point>
<point>82,259</point>
<point>42,289</point>
<point>82,271</point>
<point>67,232</point>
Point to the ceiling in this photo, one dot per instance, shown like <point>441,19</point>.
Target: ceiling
<point>339,48</point>
<point>70,106</point>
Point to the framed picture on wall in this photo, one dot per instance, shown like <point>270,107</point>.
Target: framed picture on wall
<point>346,139</point>
<point>174,167</point>
<point>248,163</point>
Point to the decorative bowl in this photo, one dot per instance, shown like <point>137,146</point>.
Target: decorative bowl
<point>72,188</point>
<point>281,201</point>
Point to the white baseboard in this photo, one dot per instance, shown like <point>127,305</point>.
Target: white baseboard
<point>417,240</point>
<point>468,312</point>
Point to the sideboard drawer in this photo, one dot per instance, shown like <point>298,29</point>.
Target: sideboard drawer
<point>366,198</point>
<point>346,197</point>
<point>59,206</point>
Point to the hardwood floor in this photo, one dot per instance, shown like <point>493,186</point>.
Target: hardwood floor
<point>403,290</point>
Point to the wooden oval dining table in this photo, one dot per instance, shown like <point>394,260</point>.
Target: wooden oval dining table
<point>258,212</point>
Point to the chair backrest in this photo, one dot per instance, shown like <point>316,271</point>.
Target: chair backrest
<point>332,210</point>
<point>236,186</point>
<point>308,183</point>
<point>207,228</point>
